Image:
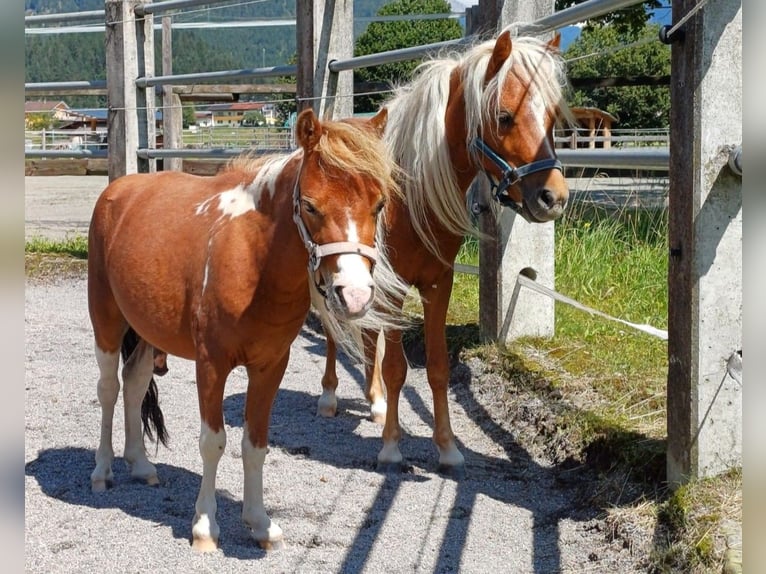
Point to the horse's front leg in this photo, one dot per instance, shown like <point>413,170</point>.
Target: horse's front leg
<point>394,371</point>
<point>435,304</point>
<point>327,406</point>
<point>211,380</point>
<point>375,349</point>
<point>262,387</point>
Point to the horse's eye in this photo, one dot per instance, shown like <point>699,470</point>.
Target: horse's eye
<point>505,120</point>
<point>309,207</point>
<point>379,207</point>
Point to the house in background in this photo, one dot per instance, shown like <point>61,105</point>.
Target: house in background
<point>58,111</point>
<point>232,114</point>
<point>595,129</point>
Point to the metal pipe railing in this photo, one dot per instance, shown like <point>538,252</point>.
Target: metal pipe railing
<point>192,79</point>
<point>652,159</point>
<point>574,15</point>
<point>66,17</point>
<point>75,86</point>
<point>566,17</point>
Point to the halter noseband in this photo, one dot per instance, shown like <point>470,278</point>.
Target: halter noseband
<point>316,251</point>
<point>511,175</point>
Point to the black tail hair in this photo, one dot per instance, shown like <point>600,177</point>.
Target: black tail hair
<point>151,414</point>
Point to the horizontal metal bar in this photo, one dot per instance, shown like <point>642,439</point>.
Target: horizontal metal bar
<point>395,55</point>
<point>207,153</point>
<point>191,79</point>
<point>66,153</point>
<point>74,86</point>
<point>573,15</point>
<point>463,268</point>
<point>66,17</point>
<point>653,159</point>
<point>168,5</point>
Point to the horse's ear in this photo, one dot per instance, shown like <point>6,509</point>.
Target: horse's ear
<point>308,129</point>
<point>378,122</point>
<point>499,55</point>
<point>555,43</point>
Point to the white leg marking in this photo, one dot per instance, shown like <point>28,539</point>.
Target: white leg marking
<point>451,456</point>
<point>390,453</point>
<point>264,531</point>
<point>205,529</point>
<point>108,388</point>
<point>327,405</point>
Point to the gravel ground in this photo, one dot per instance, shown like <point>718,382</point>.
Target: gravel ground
<point>511,513</point>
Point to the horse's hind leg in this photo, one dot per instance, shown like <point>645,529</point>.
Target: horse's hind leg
<point>108,388</point>
<point>136,376</point>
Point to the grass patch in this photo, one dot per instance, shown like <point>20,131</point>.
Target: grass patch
<point>74,246</point>
<point>603,385</point>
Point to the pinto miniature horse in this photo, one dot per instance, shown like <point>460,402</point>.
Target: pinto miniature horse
<point>490,109</point>
<point>220,270</point>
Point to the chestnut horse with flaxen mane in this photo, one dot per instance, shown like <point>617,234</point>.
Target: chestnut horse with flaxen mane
<point>491,109</point>
<point>221,270</point>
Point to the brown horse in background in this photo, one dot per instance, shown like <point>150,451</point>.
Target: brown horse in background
<point>221,270</point>
<point>491,109</point>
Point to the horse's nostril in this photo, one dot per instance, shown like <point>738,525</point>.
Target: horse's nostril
<point>339,295</point>
<point>547,198</point>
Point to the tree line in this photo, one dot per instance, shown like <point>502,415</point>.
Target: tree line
<point>68,57</point>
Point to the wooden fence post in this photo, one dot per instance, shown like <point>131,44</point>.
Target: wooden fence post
<point>704,407</point>
<point>127,41</point>
<point>172,113</point>
<point>514,244</point>
<point>325,33</point>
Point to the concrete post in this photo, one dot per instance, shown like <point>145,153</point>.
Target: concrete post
<point>508,312</point>
<point>333,40</point>
<point>704,411</point>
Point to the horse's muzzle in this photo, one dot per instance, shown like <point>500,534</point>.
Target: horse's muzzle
<point>351,301</point>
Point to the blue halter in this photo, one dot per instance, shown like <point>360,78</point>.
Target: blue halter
<point>511,175</point>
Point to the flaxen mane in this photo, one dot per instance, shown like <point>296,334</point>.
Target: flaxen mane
<point>416,130</point>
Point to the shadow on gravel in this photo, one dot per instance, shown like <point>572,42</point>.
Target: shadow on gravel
<point>515,480</point>
<point>64,474</point>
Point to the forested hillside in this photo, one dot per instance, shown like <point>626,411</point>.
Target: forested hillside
<point>80,56</point>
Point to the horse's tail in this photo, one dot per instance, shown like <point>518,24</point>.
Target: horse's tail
<point>151,414</point>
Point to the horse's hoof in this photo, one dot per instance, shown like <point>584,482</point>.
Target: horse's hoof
<point>205,545</point>
<point>272,545</point>
<point>455,472</point>
<point>152,480</point>
<point>100,485</point>
<point>326,412</point>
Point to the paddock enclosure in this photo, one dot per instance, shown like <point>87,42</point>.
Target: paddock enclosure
<point>457,525</point>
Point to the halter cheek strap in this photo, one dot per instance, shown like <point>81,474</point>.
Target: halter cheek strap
<point>316,251</point>
<point>511,175</point>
